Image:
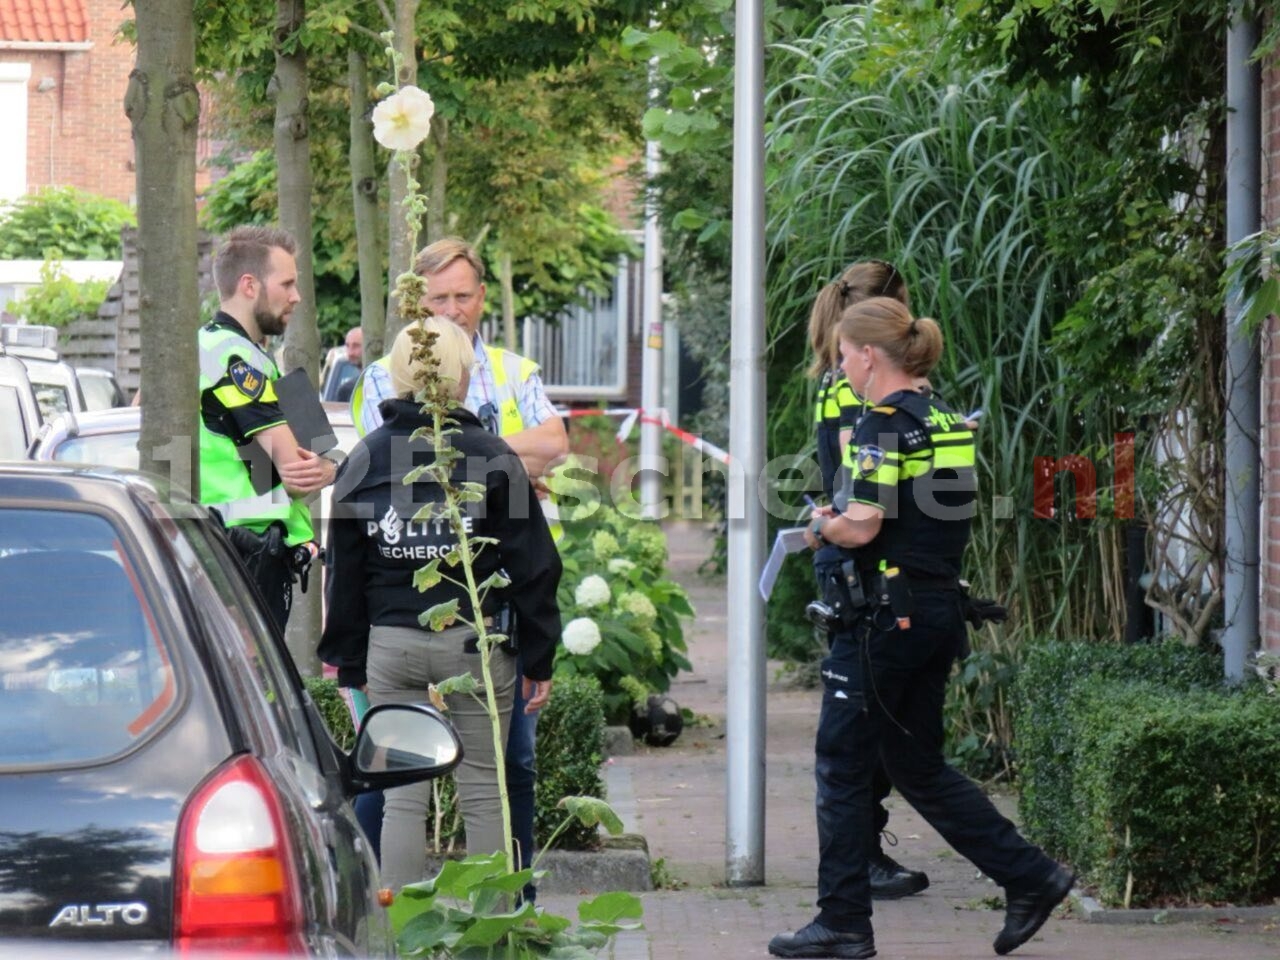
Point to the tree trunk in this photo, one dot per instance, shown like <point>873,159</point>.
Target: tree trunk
<point>301,339</point>
<point>507,279</point>
<point>293,165</point>
<point>364,191</point>
<point>439,178</point>
<point>400,243</point>
<point>163,106</point>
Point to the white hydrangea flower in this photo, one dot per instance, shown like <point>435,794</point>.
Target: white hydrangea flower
<point>403,120</point>
<point>581,635</point>
<point>621,565</point>
<point>639,606</point>
<point>593,591</point>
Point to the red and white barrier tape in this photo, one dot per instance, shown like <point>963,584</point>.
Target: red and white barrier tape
<point>630,417</point>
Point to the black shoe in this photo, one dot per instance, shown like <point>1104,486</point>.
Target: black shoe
<point>815,940</point>
<point>1025,913</point>
<point>890,880</point>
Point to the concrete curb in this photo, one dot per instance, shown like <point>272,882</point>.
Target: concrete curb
<point>623,864</point>
<point>1094,912</point>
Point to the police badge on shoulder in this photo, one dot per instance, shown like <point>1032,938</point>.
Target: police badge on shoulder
<point>868,459</point>
<point>248,381</point>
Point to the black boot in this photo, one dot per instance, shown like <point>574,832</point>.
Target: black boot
<point>1025,912</point>
<point>815,940</point>
<point>890,880</point>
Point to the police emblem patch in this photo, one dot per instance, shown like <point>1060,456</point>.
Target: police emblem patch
<point>247,380</point>
<point>868,459</point>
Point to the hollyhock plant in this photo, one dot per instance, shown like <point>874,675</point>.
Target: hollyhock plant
<point>403,120</point>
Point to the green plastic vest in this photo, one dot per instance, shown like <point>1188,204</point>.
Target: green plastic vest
<point>224,479</point>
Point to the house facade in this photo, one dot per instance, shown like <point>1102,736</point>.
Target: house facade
<point>64,71</point>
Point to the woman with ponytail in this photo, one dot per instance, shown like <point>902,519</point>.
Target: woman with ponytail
<point>905,517</point>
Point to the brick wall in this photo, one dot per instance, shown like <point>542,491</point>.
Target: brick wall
<point>77,133</point>
<point>1269,607</point>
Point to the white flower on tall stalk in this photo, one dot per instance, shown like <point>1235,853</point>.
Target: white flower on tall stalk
<point>592,592</point>
<point>621,565</point>
<point>581,635</point>
<point>403,120</point>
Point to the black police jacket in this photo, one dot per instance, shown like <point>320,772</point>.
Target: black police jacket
<point>374,543</point>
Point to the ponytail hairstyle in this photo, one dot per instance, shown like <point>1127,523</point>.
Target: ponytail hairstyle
<point>912,344</point>
<point>867,278</point>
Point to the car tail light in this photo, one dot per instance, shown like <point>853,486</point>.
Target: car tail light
<point>235,882</point>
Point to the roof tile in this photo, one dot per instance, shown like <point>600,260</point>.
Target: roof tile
<point>43,21</point>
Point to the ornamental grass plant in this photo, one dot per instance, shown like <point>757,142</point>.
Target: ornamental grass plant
<point>952,174</point>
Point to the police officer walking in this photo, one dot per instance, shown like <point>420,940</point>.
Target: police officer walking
<point>252,470</point>
<point>372,632</point>
<point>906,514</point>
<point>836,412</point>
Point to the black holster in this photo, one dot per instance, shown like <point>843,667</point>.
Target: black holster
<point>842,592</point>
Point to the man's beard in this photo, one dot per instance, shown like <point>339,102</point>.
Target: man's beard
<point>269,324</point>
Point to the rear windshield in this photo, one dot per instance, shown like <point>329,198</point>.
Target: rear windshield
<point>83,671</point>
<point>105,449</point>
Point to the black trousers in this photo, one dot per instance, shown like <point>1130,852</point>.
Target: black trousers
<point>826,562</point>
<point>883,691</point>
<point>266,560</point>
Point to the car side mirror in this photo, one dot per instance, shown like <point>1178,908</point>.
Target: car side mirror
<point>402,743</point>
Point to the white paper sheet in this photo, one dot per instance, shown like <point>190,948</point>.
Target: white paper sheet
<point>788,540</point>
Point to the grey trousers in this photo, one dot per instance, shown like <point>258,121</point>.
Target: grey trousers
<point>402,662</point>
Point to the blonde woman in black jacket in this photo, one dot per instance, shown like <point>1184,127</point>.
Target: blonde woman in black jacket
<point>371,631</point>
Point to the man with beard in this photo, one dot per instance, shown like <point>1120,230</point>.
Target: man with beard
<point>252,470</point>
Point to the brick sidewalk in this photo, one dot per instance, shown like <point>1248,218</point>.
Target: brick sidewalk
<point>677,801</point>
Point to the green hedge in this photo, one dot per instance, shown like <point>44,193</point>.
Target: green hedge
<point>570,750</point>
<point>1178,793</point>
<point>1044,725</point>
<point>1157,783</point>
<point>333,709</point>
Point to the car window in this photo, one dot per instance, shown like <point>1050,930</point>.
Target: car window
<point>13,431</point>
<point>53,399</point>
<point>84,672</point>
<point>100,393</point>
<point>274,683</point>
<point>106,449</point>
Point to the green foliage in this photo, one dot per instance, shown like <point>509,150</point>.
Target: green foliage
<point>978,721</point>
<point>1177,793</point>
<point>333,710</point>
<point>1048,725</point>
<point>614,575</point>
<point>464,912</point>
<point>918,158</point>
<point>62,223</point>
<point>57,300</point>
<point>570,750</point>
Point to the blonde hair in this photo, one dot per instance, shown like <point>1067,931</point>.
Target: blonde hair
<point>868,278</point>
<point>434,257</point>
<point>913,344</point>
<point>452,352</point>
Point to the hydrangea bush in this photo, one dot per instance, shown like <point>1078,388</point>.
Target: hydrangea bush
<point>623,616</point>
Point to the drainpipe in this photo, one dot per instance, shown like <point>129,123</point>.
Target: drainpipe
<point>1242,495</point>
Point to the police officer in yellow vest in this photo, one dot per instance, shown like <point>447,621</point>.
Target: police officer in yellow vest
<point>506,394</point>
<point>240,420</point>
<point>905,515</point>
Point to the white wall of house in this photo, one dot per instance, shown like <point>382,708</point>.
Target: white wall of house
<point>14,78</point>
